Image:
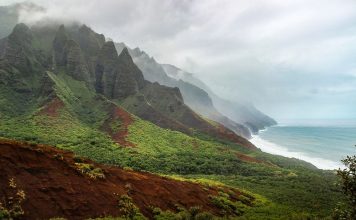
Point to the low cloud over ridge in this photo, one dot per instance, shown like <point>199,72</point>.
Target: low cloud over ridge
<point>293,59</point>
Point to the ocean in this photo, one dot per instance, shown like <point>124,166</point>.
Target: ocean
<point>322,143</point>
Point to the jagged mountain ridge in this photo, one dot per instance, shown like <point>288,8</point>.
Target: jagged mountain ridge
<point>101,68</point>
<point>195,97</point>
<point>241,118</point>
<point>240,111</point>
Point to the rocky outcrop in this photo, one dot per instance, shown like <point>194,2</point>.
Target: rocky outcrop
<point>151,70</point>
<point>129,75</point>
<point>20,60</point>
<point>59,43</point>
<point>116,77</point>
<point>165,99</point>
<point>18,48</point>
<point>89,41</point>
<point>75,63</point>
<point>68,55</point>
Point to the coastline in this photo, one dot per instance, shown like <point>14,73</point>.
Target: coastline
<point>276,149</point>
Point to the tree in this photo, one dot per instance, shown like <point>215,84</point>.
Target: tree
<point>348,183</point>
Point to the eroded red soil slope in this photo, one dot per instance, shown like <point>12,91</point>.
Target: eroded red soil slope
<point>117,125</point>
<point>55,188</point>
<point>53,107</point>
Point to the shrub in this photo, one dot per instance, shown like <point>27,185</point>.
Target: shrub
<point>78,159</point>
<point>10,205</point>
<point>227,207</point>
<point>128,208</point>
<point>194,213</point>
<point>90,170</point>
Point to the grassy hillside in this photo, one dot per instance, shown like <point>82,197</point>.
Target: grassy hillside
<point>286,191</point>
<point>289,186</point>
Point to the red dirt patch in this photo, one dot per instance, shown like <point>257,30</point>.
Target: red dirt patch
<point>249,159</point>
<point>118,134</point>
<point>52,108</point>
<point>54,188</point>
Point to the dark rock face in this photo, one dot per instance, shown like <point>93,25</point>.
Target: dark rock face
<point>74,61</point>
<point>105,70</point>
<point>21,35</point>
<point>117,77</point>
<point>68,55</point>
<point>18,48</point>
<point>165,99</point>
<point>88,40</point>
<point>2,47</point>
<point>58,46</point>
<point>20,61</point>
<point>90,43</point>
<point>87,57</point>
<point>128,67</point>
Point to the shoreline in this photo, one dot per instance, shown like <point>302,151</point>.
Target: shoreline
<point>276,149</point>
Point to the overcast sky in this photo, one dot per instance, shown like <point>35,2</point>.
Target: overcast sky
<point>291,58</point>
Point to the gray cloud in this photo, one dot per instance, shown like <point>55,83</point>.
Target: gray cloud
<point>292,58</point>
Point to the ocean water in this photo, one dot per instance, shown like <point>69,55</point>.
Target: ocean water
<point>321,143</point>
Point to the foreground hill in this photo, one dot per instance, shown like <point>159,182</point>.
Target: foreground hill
<point>57,184</point>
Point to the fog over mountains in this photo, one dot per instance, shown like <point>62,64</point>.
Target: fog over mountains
<point>200,97</point>
<point>292,59</point>
<point>238,115</point>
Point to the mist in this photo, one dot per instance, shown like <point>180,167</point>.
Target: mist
<point>292,59</point>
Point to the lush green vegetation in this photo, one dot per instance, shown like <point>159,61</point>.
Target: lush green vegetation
<point>290,188</point>
<point>193,213</point>
<point>310,193</point>
<point>347,209</point>
<point>287,190</point>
